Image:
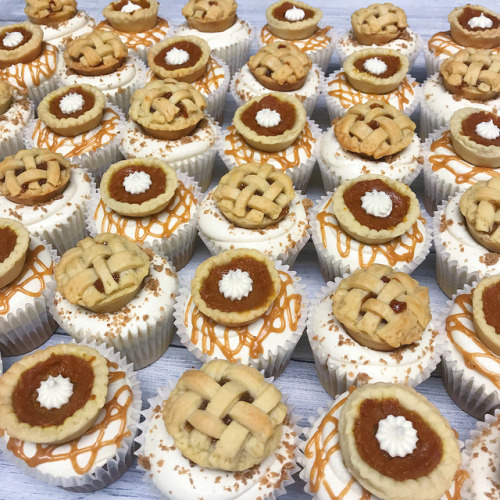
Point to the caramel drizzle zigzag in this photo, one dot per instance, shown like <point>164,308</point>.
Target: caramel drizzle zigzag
<point>442,43</point>
<point>319,40</point>
<point>210,81</point>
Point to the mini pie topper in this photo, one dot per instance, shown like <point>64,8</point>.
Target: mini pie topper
<point>19,44</point>
<point>132,16</point>
<point>50,12</point>
<point>210,17</point>
<point>14,242</point>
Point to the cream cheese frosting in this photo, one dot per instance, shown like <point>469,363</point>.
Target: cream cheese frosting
<point>15,119</point>
<point>64,32</point>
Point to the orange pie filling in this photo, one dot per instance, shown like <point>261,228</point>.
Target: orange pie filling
<point>88,103</point>
<point>469,12</point>
<point>469,127</point>
<point>491,306</point>
<point>118,6</point>
<point>280,12</point>
<point>285,109</point>
<point>8,240</point>
<point>393,64</point>
<point>192,49</point>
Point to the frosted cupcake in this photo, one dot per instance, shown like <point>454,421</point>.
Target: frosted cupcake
<point>228,36</point>
<point>174,129</point>
<point>243,458</point>
<point>255,206</point>
<point>243,307</point>
<point>69,416</point>
<point>350,147</point>
<point>373,326</point>
<point>26,287</point>
<point>297,22</point>
<point>145,200</point>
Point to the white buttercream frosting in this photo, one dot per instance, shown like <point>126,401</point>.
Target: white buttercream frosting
<point>488,130</point>
<point>396,436</point>
<point>376,203</point>
<point>480,22</point>
<point>71,103</point>
<point>176,56</point>
<point>130,7</point>
<point>13,39</point>
<point>137,182</point>
<point>294,14</point>
<point>375,66</point>
<point>54,392</point>
<point>236,284</point>
<point>268,118</point>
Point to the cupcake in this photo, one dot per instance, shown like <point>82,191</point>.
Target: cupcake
<point>136,23</point>
<point>69,415</point>
<point>278,226</point>
<point>26,286</point>
<point>351,147</point>
<point>471,361</point>
<point>145,200</point>
<point>251,454</point>
<point>188,59</point>
<point>382,441</point>
<point>369,219</point>
<point>373,326</point>
<point>27,63</point>
<point>60,21</point>
<point>243,307</point>
<point>471,77</point>
<point>52,206</point>
<point>374,73</point>
<point>116,74</point>
<point>459,155</point>
<point>174,129</point>
<point>466,237</point>
<point>15,112</point>
<point>272,128</point>
<point>228,36</point>
<point>112,291</point>
<point>76,122</point>
<point>380,25</point>
<point>297,22</point>
<point>470,26</point>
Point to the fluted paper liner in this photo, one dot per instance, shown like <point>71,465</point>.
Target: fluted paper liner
<point>15,142</point>
<point>217,98</point>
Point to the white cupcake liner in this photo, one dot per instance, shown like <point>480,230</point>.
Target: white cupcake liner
<point>217,98</point>
<point>274,361</point>
<point>337,379</point>
<point>432,63</point>
<point>178,248</point>
<point>429,121</point>
<point>15,143</point>
<point>115,466</point>
<point>332,268</point>
<point>36,94</point>
<point>163,394</point>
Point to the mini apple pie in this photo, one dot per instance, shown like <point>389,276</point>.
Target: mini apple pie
<point>183,58</point>
<point>95,54</point>
<point>53,395</point>
<point>235,287</point>
<point>5,96</point>
<point>254,196</point>
<point>374,129</point>
<point>292,20</point>
<point>486,312</point>
<point>34,176</point>
<point>396,444</point>
<point>131,16</point>
<point>72,110</point>
<point>211,16</point>
<point>475,135</point>
<point>280,66</point>
<point>47,12</point>
<point>14,241</point>
<point>138,187</point>
<point>480,205</point>
<point>376,71</point>
<point>473,74</point>
<point>381,308</point>
<point>19,43</point>
<point>475,26</point>
<point>103,273</point>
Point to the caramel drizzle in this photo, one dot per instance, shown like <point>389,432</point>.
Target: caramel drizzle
<point>286,307</point>
<point>89,141</point>
<point>244,153</point>
<point>211,80</point>
<point>388,250</point>
<point>460,478</point>
<point>318,41</point>
<point>442,43</point>
<point>179,212</point>
<point>473,360</point>
<point>34,272</point>
<point>40,67</point>
<point>444,161</point>
<point>348,96</point>
<point>114,412</point>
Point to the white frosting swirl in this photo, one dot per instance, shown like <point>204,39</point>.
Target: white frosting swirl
<point>13,39</point>
<point>488,130</point>
<point>176,56</point>
<point>268,118</point>
<point>480,22</point>
<point>396,436</point>
<point>71,103</point>
<point>54,392</point>
<point>375,66</point>
<point>130,7</point>
<point>294,14</point>
<point>235,284</point>
<point>376,203</point>
<point>137,182</point>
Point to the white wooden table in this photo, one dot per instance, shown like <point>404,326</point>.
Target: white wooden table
<point>299,379</point>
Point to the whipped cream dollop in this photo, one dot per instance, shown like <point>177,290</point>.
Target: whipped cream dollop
<point>137,182</point>
<point>176,56</point>
<point>487,130</point>
<point>71,103</point>
<point>480,22</point>
<point>268,118</point>
<point>396,436</point>
<point>294,14</point>
<point>236,284</point>
<point>54,392</point>
<point>130,7</point>
<point>13,39</point>
<point>375,66</point>
<point>376,203</point>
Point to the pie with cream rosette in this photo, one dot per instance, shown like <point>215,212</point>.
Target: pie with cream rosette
<point>210,16</point>
<point>131,16</point>
<point>381,308</point>
<point>486,312</point>
<point>50,12</point>
<point>19,43</point>
<point>5,96</point>
<point>14,242</point>
<point>225,416</point>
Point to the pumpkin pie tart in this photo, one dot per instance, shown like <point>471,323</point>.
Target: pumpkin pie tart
<point>134,16</point>
<point>19,43</point>
<point>210,17</point>
<point>46,12</point>
<point>475,26</point>
<point>5,96</point>
<point>292,20</point>
<point>14,241</point>
<point>486,312</point>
